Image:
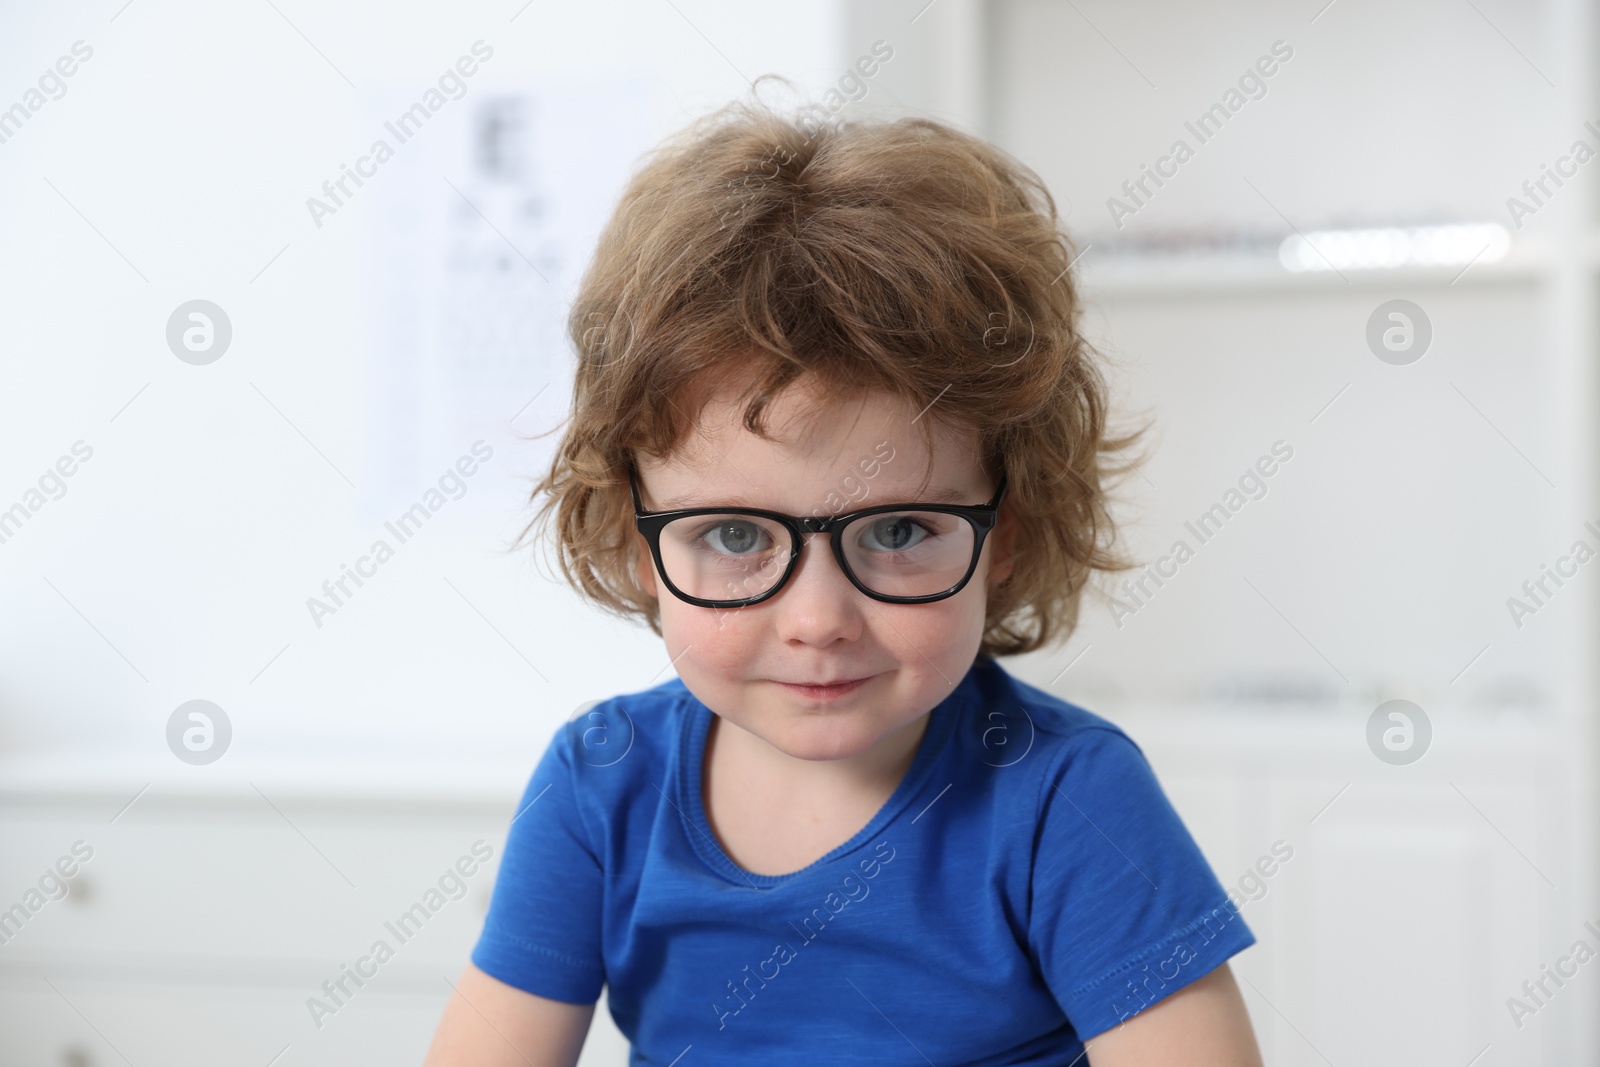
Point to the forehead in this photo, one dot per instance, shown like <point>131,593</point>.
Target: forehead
<point>818,447</point>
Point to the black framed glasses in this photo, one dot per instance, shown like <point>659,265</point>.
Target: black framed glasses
<point>896,553</point>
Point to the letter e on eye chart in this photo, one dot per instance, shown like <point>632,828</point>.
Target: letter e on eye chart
<point>475,230</point>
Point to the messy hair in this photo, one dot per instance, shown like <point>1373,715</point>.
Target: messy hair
<point>756,246</point>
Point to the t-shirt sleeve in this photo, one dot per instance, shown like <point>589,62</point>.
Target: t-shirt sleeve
<point>543,930</point>
<point>1125,910</point>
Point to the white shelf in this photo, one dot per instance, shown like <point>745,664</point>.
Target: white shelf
<point>1182,275</point>
<point>479,778</point>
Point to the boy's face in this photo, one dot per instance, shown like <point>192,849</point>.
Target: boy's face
<point>819,627</point>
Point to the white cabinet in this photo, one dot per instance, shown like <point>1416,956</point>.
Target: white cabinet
<point>206,919</point>
<point>1418,898</point>
<point>84,1022</point>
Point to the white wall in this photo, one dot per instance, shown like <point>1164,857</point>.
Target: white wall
<point>179,562</point>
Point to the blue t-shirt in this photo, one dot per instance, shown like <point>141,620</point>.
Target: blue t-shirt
<point>1026,887</point>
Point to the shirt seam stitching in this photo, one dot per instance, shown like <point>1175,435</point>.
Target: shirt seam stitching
<point>561,957</point>
<point>1160,946</point>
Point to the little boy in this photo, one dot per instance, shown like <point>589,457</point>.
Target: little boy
<point>837,439</point>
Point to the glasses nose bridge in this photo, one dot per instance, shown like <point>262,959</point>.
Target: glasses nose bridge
<point>826,525</point>
<point>815,523</point>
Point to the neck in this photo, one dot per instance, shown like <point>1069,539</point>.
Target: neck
<point>871,770</point>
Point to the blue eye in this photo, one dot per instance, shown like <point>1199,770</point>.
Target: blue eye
<point>734,537</point>
<point>894,533</point>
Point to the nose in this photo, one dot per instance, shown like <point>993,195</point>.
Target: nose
<point>819,605</point>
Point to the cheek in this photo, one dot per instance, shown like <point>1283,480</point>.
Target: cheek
<point>715,641</point>
<point>945,631</point>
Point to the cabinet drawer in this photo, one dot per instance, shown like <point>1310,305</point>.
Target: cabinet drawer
<point>76,1023</point>
<point>233,881</point>
<point>87,1023</point>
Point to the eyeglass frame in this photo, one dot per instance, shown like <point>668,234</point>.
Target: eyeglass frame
<point>982,518</point>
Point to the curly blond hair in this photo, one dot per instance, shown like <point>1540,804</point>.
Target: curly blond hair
<point>906,256</point>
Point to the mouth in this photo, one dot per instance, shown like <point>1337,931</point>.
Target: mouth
<point>824,692</point>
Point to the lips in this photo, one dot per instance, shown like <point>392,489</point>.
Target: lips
<point>826,690</point>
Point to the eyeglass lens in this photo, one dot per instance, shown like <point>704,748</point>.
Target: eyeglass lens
<point>898,553</point>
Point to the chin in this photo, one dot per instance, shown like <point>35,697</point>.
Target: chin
<point>822,735</point>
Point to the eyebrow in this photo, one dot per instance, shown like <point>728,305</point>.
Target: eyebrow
<point>933,496</point>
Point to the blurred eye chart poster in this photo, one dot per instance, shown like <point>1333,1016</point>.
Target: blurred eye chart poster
<point>478,232</point>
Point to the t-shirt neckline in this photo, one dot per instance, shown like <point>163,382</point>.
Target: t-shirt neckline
<point>696,726</point>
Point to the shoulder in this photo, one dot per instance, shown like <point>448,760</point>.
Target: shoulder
<point>1099,811</point>
<point>620,744</point>
<point>1015,724</point>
